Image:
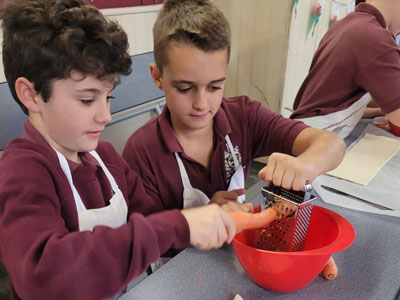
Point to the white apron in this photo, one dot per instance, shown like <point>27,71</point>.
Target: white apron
<point>193,197</point>
<point>342,122</point>
<point>113,215</point>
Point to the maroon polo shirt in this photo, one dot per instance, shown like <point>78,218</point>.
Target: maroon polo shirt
<point>253,130</point>
<point>41,246</point>
<point>357,55</point>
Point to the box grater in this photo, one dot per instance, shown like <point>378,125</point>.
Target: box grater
<point>288,231</point>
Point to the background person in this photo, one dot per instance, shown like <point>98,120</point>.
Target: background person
<point>357,60</point>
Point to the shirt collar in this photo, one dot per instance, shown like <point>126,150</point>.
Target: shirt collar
<point>372,10</point>
<point>221,128</point>
<point>87,160</point>
<point>221,123</point>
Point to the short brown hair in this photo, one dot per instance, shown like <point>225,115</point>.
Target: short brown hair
<point>196,23</point>
<point>44,40</point>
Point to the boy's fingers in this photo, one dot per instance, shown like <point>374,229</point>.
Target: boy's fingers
<point>222,234</point>
<point>222,197</point>
<point>245,207</point>
<point>230,226</point>
<point>279,172</point>
<point>250,206</point>
<point>266,172</point>
<point>236,206</point>
<point>288,179</point>
<point>239,192</point>
<point>275,168</point>
<point>299,182</point>
<point>230,195</point>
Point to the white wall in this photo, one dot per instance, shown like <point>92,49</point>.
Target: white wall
<point>260,34</point>
<point>138,23</point>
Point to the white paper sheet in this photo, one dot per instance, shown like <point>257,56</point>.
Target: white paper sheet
<point>366,158</point>
<point>383,189</point>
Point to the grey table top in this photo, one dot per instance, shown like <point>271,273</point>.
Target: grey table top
<point>368,269</point>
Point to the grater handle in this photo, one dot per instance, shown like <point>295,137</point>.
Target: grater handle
<point>307,191</point>
<point>271,192</point>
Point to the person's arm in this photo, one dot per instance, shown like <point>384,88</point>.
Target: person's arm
<point>48,259</point>
<point>210,226</point>
<point>372,110</point>
<point>394,117</point>
<point>380,76</point>
<point>316,152</point>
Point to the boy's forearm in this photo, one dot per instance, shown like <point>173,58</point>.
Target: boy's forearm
<point>323,149</point>
<point>394,117</point>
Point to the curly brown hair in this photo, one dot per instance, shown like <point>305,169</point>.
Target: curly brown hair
<point>196,23</point>
<point>44,40</point>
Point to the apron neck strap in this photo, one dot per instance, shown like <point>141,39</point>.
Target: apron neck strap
<point>65,167</point>
<point>114,185</point>
<point>229,143</point>
<point>182,171</point>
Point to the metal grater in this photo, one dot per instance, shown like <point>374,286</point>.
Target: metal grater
<point>288,231</point>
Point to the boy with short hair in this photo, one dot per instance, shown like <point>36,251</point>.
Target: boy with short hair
<point>71,223</point>
<point>202,145</point>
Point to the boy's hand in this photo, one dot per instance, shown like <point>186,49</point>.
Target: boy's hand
<point>315,152</point>
<point>288,171</point>
<point>371,112</point>
<point>236,206</point>
<point>210,227</point>
<point>228,201</point>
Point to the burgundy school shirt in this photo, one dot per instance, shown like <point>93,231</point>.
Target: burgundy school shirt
<point>253,130</point>
<point>41,246</point>
<point>356,55</point>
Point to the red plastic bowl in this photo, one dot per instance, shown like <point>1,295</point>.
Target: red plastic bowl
<point>394,129</point>
<point>328,233</point>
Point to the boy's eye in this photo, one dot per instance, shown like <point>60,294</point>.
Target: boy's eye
<point>215,88</point>
<point>184,91</point>
<point>87,101</point>
<point>90,101</point>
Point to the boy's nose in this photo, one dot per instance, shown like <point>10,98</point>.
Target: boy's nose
<point>103,114</point>
<point>200,100</point>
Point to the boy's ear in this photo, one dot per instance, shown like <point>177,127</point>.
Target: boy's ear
<point>26,94</point>
<point>155,74</point>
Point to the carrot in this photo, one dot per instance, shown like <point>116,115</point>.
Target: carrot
<point>246,220</point>
<point>330,271</point>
